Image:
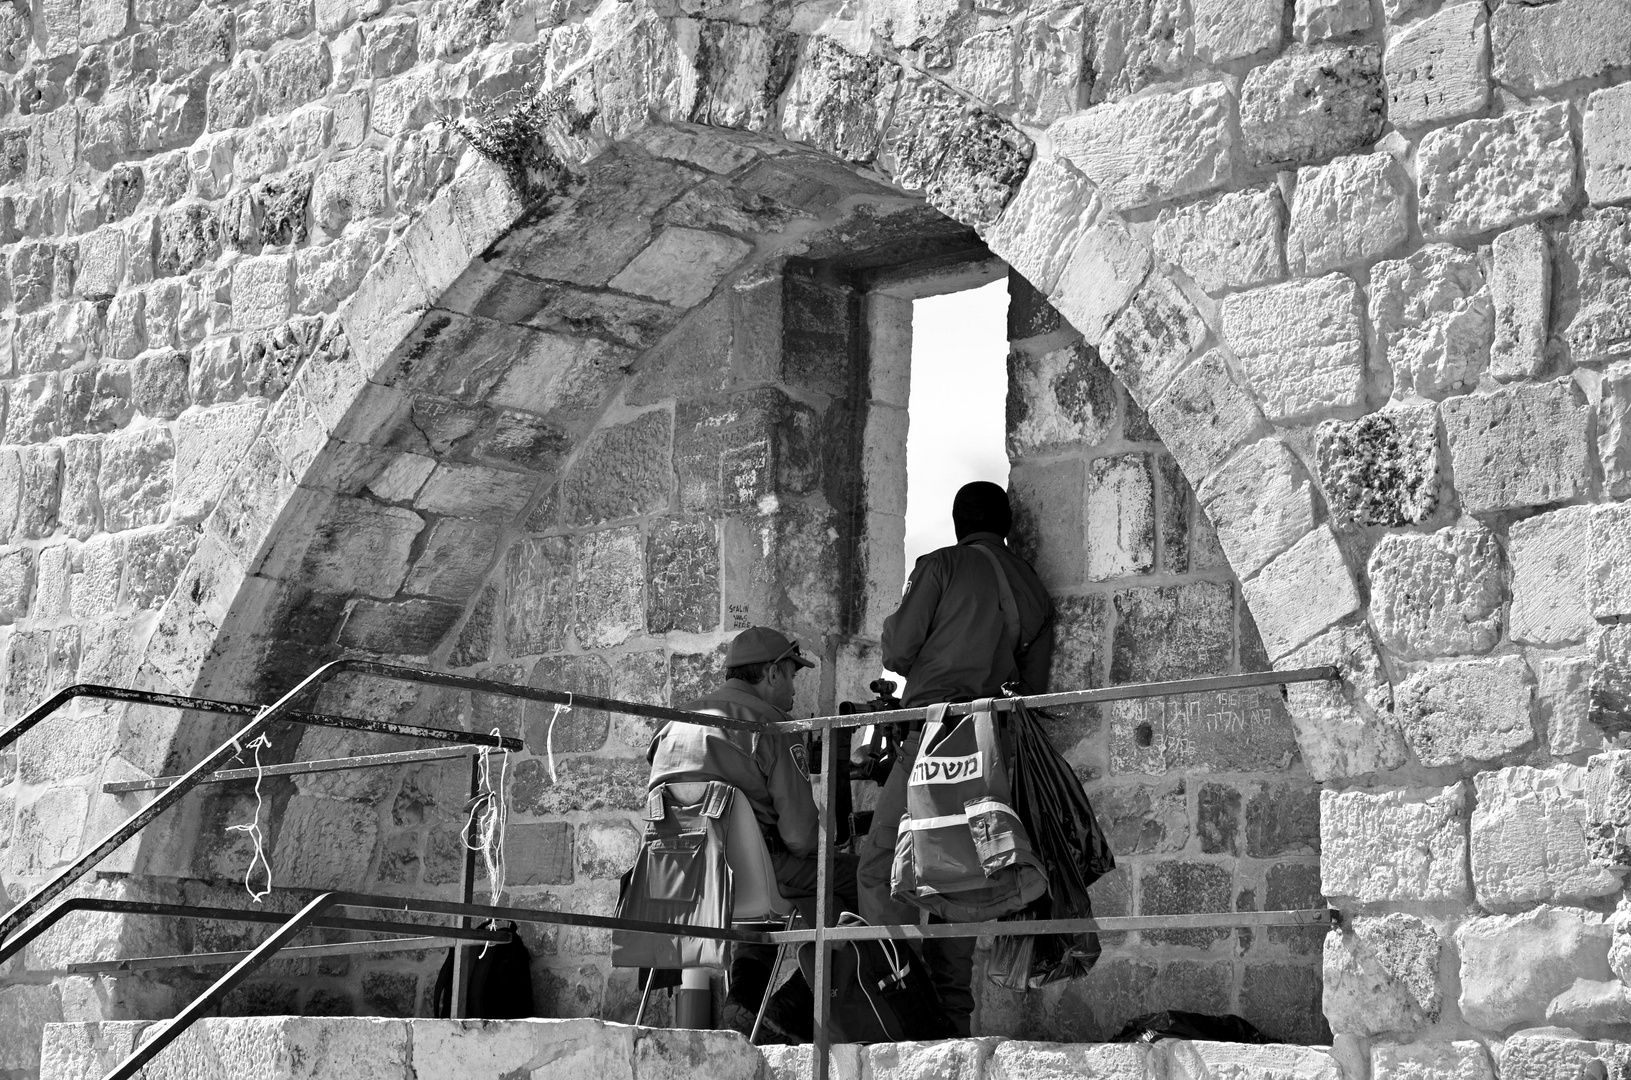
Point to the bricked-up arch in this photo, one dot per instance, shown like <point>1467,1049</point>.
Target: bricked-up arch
<point>1382,486</point>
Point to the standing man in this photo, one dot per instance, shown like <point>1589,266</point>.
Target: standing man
<point>770,769</point>
<point>950,637</point>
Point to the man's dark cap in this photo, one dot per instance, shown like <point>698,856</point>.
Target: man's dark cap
<point>761,645</point>
<point>981,507</point>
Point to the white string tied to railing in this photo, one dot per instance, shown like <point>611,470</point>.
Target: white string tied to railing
<point>489,819</point>
<point>549,736</point>
<point>253,828</point>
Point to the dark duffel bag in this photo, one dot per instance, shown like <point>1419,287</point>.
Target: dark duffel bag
<point>880,991</point>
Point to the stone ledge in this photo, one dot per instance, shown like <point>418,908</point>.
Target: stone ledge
<point>367,1048</point>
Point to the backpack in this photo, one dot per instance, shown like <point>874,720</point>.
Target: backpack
<point>680,878</point>
<point>881,991</point>
<point>962,853</point>
<point>500,981</point>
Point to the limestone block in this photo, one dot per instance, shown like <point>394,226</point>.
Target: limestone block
<point>189,238</point>
<point>1605,130</point>
<point>1153,337</point>
<point>1036,234</point>
<point>1135,43</point>
<point>676,1054</point>
<point>1544,1053</point>
<point>1593,286</point>
<point>16,582</point>
<point>682,266</point>
<point>1512,966</point>
<point>1563,691</point>
<point>1608,808</point>
<point>1227,241</point>
<point>1464,1059</point>
<point>48,827</point>
<point>1301,592</point>
<point>1438,69</point>
<point>1347,728</point>
<point>1058,398</point>
<point>682,566</point>
<point>1437,594</point>
<point>1481,175</point>
<point>1381,975</point>
<point>1523,445</point>
<point>1261,502</point>
<point>1611,679</point>
<point>1527,838</point>
<point>1520,283</point>
<point>455,557</point>
<point>1119,512</point>
<point>1203,415</point>
<point>361,548</point>
<point>261,292</point>
<point>1152,149</point>
<point>1353,210</point>
<point>324,843</point>
<point>839,101</point>
<point>1469,710</point>
<point>1619,949</point>
<point>985,162</point>
<point>1213,1060</point>
<point>209,447</point>
<point>1300,346</point>
<point>1552,566</point>
<point>1591,1003</point>
<point>1309,106</point>
<point>1381,469</point>
<point>1049,61</point>
<point>475,491</point>
<point>153,562</point>
<point>1537,47</point>
<point>93,587</point>
<point>1015,1060</point>
<point>1222,30</point>
<point>25,1010</point>
<point>621,472</point>
<point>1392,846</point>
<point>1609,538</point>
<point>349,189</point>
<point>794,1062</point>
<point>135,478</point>
<point>1321,20</point>
<point>609,589</point>
<point>1102,274</point>
<point>607,848</point>
<point>579,1049</point>
<point>1432,320</point>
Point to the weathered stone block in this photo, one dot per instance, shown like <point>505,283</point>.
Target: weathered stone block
<point>682,266</point>
<point>1309,106</point>
<point>1322,20</point>
<point>1392,846</point>
<point>682,561</point>
<point>1606,134</point>
<point>360,548</point>
<point>1608,808</point>
<point>1487,174</point>
<point>1512,966</point>
<point>1552,568</point>
<point>16,582</point>
<point>1609,580</point>
<point>476,491</point>
<point>1523,445</point>
<point>1539,47</point>
<point>1204,415</point>
<point>607,848</point>
<point>454,560</point>
<point>1353,210</point>
<point>1163,631</point>
<point>209,447</point>
<point>1461,1060</point>
<point>1431,320</point>
<point>153,563</point>
<point>135,478</point>
<point>1230,731</point>
<point>985,162</point>
<point>1563,691</point>
<point>586,783</point>
<point>1016,1060</point>
<point>1520,283</point>
<point>1152,337</point>
<point>1381,975</point>
<point>1593,286</point>
<point>1119,511</point>
<point>1347,728</point>
<point>1301,592</point>
<point>539,854</point>
<point>1058,398</point>
<point>1300,345</point>
<point>1437,594</point>
<point>1136,43</point>
<point>1037,231</point>
<point>1542,1053</point>
<point>1103,272</point>
<point>189,237</point>
<point>1283,819</point>
<point>261,292</point>
<point>1224,31</point>
<point>1470,710</point>
<point>1261,502</point>
<point>1152,149</point>
<point>1228,241</point>
<point>1611,679</point>
<point>406,628</point>
<point>1438,69</point>
<point>623,471</point>
<point>539,612</point>
<point>1528,838</point>
<point>608,592</point>
<point>839,101</point>
<point>1171,888</point>
<point>1381,469</point>
<point>25,1010</point>
<point>294,75</point>
<point>1048,524</point>
<point>349,189</point>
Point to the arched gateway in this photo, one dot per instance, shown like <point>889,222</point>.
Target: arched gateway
<point>297,377</point>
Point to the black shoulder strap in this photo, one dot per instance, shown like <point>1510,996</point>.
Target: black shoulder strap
<point>1005,600</point>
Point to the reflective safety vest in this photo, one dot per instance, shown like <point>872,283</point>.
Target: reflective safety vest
<point>962,853</point>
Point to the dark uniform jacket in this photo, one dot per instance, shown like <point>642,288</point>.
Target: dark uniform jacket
<point>949,637</point>
<point>771,769</point>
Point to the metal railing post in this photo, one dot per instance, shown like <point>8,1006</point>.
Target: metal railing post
<point>825,835</point>
<point>459,1004</point>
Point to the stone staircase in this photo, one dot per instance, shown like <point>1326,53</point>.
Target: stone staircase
<point>363,1048</point>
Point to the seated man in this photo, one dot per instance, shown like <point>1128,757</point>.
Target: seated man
<point>772,771</point>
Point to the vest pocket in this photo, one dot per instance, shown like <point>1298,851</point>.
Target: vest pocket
<point>996,830</point>
<point>674,867</point>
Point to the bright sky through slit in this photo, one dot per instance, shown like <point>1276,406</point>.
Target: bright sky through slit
<point>957,408</point>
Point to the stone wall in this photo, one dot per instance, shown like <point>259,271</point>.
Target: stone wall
<point>1361,267</point>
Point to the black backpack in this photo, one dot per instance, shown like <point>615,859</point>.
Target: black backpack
<point>500,981</point>
<point>881,991</point>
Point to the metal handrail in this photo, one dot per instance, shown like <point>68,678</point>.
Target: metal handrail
<point>374,947</point>
<point>57,912</point>
<point>311,914</point>
<point>299,768</point>
<point>240,708</point>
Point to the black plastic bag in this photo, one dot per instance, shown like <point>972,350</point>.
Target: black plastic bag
<point>500,981</point>
<point>1175,1024</point>
<point>1056,812</point>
